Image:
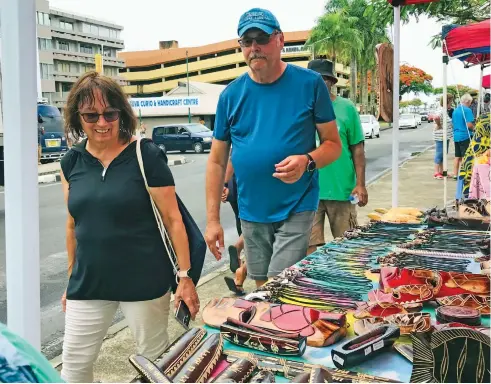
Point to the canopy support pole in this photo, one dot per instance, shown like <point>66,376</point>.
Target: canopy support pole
<point>481,93</point>
<point>444,127</point>
<point>19,78</point>
<point>395,106</point>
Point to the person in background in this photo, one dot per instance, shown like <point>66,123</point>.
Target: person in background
<point>463,125</point>
<point>143,130</point>
<point>438,135</point>
<point>485,107</point>
<point>270,115</point>
<point>345,177</point>
<point>473,104</point>
<point>116,256</point>
<point>40,138</point>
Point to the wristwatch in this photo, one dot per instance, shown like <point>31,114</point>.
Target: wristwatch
<point>311,165</point>
<point>183,274</point>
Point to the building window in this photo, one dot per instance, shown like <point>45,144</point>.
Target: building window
<point>87,49</point>
<point>104,32</point>
<point>63,45</point>
<point>46,71</point>
<point>66,25</point>
<point>94,29</point>
<point>66,87</point>
<point>110,71</point>
<point>113,34</point>
<point>62,66</point>
<point>43,18</point>
<point>85,28</point>
<point>45,44</point>
<point>87,68</point>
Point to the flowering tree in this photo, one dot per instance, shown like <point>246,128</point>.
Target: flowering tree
<point>412,79</point>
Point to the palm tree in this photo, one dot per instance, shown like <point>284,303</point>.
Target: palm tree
<point>336,36</point>
<point>371,33</point>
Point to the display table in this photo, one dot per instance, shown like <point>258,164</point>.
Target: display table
<point>480,182</point>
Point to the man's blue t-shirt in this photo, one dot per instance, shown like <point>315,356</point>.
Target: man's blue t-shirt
<point>460,132</point>
<point>266,123</point>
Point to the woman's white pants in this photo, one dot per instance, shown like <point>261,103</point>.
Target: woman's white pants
<point>86,325</point>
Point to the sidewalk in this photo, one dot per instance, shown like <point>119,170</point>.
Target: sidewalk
<point>417,188</point>
<point>50,173</point>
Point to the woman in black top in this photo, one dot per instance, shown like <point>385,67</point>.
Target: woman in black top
<point>116,256</point>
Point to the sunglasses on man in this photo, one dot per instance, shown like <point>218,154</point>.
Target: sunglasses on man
<point>93,117</point>
<point>261,39</point>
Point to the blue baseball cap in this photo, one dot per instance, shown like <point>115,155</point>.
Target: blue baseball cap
<point>258,18</point>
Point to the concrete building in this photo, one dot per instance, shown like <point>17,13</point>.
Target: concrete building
<point>67,46</point>
<point>155,73</point>
<point>204,95</point>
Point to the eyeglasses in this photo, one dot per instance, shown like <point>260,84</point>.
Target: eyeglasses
<point>92,117</point>
<point>262,39</point>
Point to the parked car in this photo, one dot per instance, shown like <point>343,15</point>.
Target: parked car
<point>424,116</point>
<point>370,125</point>
<point>418,118</point>
<point>53,142</point>
<point>408,120</point>
<point>182,137</point>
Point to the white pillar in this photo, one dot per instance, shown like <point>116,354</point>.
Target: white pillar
<point>395,106</point>
<point>21,190</point>
<point>444,125</point>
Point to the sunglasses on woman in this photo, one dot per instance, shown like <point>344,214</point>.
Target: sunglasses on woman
<point>93,117</point>
<point>262,39</point>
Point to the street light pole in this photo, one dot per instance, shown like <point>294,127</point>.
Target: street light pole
<point>187,75</point>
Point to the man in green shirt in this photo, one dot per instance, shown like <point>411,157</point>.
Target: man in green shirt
<point>344,178</point>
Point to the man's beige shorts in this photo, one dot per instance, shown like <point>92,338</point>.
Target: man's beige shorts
<point>341,215</point>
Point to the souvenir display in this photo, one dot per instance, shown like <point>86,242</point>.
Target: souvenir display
<point>290,368</point>
<point>397,215</point>
<point>405,350</point>
<point>481,303</point>
<point>263,376</point>
<point>406,322</point>
<point>410,261</point>
<point>317,374</point>
<point>264,340</point>
<point>364,347</point>
<point>148,370</point>
<point>238,372</point>
<point>178,353</point>
<point>198,367</point>
<point>464,315</point>
<point>385,278</point>
<point>320,328</point>
<point>455,355</point>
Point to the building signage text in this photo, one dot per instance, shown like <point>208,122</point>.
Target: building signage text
<point>160,102</point>
<point>295,48</point>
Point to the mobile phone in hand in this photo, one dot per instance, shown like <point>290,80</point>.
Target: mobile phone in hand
<point>183,315</point>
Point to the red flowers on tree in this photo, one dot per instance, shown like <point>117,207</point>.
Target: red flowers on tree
<point>412,79</point>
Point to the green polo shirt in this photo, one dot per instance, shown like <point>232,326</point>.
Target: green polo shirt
<point>337,180</point>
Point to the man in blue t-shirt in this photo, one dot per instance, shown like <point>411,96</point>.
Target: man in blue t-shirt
<point>270,115</point>
<point>463,126</point>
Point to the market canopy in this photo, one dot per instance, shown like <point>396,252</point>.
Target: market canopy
<point>486,81</point>
<point>469,42</point>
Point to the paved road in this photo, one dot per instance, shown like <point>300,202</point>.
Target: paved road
<point>190,186</point>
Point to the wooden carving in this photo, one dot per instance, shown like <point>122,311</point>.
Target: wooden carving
<point>385,67</point>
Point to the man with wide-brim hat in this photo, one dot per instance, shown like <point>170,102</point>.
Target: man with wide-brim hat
<point>344,178</point>
<point>270,115</point>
